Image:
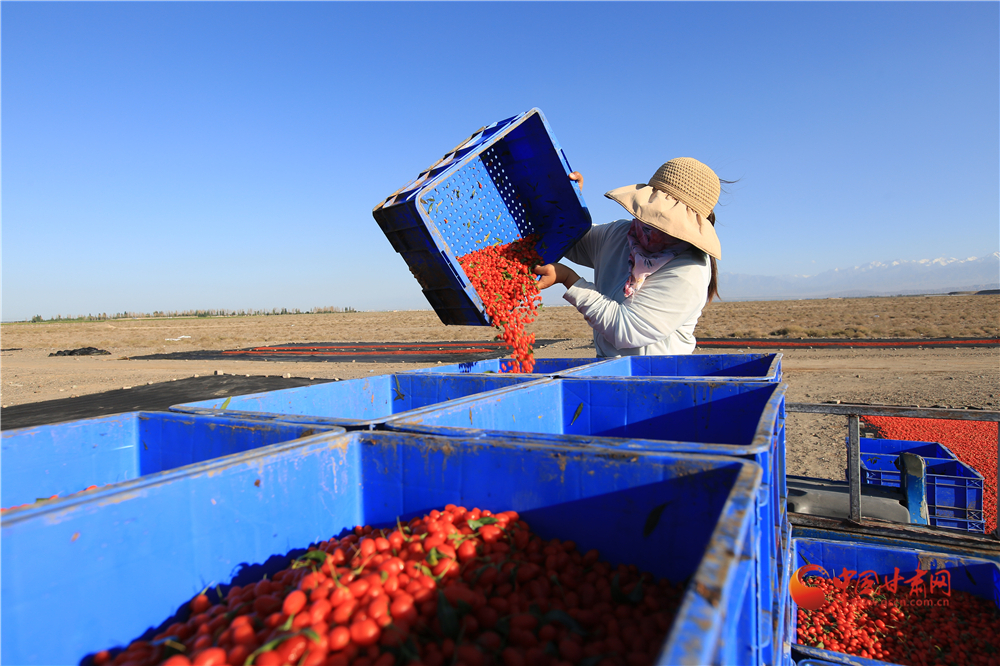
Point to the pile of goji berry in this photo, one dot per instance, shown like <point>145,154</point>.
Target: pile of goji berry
<point>452,587</point>
<point>889,626</point>
<point>503,276</point>
<point>972,442</point>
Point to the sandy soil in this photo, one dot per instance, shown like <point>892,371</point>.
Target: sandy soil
<point>926,377</point>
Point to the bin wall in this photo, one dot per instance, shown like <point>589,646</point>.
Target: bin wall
<point>650,410</point>
<point>357,403</point>
<point>66,458</point>
<point>720,367</point>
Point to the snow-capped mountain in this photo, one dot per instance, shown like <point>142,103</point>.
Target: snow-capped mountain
<point>925,276</point>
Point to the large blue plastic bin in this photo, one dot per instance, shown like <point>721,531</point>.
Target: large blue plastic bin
<point>719,418</point>
<point>355,404</point>
<point>505,182</point>
<point>713,367</point>
<point>976,576</point>
<point>111,566</point>
<point>543,366</point>
<point>66,458</point>
<point>954,490</point>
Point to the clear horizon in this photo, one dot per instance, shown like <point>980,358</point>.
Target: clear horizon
<point>209,155</point>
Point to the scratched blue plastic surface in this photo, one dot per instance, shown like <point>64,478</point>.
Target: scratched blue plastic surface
<point>505,182</point>
<point>355,403</point>
<point>65,458</point>
<point>119,562</point>
<point>713,367</point>
<point>976,576</point>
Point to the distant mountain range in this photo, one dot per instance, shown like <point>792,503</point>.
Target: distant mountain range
<point>899,278</point>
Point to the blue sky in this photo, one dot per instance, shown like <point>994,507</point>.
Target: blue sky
<point>228,155</point>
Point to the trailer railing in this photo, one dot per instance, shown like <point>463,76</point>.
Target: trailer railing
<point>854,412</point>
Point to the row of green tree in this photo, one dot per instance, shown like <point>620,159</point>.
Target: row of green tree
<point>161,314</point>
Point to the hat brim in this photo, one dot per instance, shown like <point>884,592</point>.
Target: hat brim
<point>661,211</point>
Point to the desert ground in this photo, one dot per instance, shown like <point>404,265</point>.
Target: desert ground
<point>949,377</point>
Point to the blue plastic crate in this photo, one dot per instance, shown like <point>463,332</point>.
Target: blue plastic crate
<point>954,490</point>
<point>505,182</point>
<point>355,403</point>
<point>976,576</point>
<point>118,563</point>
<point>714,367</point>
<point>897,446</point>
<point>718,418</point>
<point>66,458</point>
<point>544,367</point>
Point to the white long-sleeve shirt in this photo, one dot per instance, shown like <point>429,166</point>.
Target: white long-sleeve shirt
<point>660,318</point>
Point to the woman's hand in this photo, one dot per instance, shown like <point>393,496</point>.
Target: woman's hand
<point>578,178</point>
<point>553,273</point>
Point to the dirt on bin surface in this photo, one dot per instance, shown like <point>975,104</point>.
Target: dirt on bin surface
<point>946,377</point>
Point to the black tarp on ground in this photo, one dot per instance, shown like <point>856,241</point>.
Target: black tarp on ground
<point>149,397</point>
<point>361,352</point>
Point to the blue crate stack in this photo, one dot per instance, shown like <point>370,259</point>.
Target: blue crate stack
<point>235,474</point>
<point>121,560</point>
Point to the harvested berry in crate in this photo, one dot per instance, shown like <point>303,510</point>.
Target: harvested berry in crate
<point>453,586</point>
<point>897,627</point>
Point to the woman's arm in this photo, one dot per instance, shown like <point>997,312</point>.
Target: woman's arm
<point>552,273</point>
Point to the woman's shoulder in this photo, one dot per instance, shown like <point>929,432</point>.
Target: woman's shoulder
<point>610,229</point>
<point>691,265</point>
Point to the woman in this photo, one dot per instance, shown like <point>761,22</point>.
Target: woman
<point>653,274</point>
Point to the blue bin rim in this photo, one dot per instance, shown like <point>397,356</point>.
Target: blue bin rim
<point>851,660</point>
<point>974,474</point>
<point>107,493</point>
<point>696,630</point>
<point>572,372</point>
<point>770,376</point>
<point>540,375</point>
<point>334,421</point>
<point>762,440</point>
<point>227,416</point>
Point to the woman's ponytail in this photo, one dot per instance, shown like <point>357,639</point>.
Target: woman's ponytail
<point>713,284</point>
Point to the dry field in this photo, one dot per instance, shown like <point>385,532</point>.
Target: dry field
<point>961,316</point>
<point>928,377</point>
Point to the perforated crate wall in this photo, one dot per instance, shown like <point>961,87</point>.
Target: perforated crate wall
<point>507,181</point>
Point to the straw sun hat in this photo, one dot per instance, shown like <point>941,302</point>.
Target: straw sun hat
<point>677,200</point>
